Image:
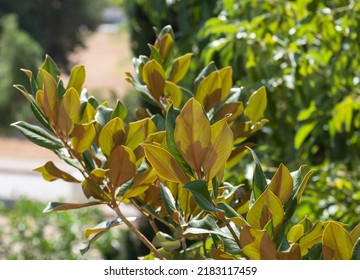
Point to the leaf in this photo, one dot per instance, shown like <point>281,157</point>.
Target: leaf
<point>293,253</point>
<point>355,255</point>
<point>232,215</point>
<point>226,82</point>
<point>180,67</point>
<point>282,184</point>
<point>154,77</point>
<point>311,238</point>
<point>59,206</point>
<point>164,44</point>
<point>121,164</point>
<point>92,189</point>
<point>50,98</point>
<point>219,150</point>
<point>138,131</point>
<point>38,136</point>
<point>257,105</point>
<point>50,66</point>
<point>103,114</point>
<point>209,91</point>
<point>266,208</point>
<point>256,244</point>
<point>302,133</point>
<point>51,173</point>
<point>355,233</point>
<point>192,134</point>
<point>168,199</point>
<point>259,179</point>
<point>295,233</point>
<point>337,242</point>
<point>201,194</point>
<point>77,78</point>
<point>164,164</point>
<point>166,241</point>
<point>111,135</point>
<point>120,111</point>
<point>69,111</point>
<point>174,93</point>
<point>82,137</point>
<point>230,110</point>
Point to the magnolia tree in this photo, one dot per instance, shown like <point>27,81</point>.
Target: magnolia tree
<point>171,165</point>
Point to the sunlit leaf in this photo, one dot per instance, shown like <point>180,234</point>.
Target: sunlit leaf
<point>226,81</point>
<point>164,45</point>
<point>173,92</point>
<point>282,184</point>
<point>180,67</point>
<point>355,255</point>
<point>166,241</point>
<point>232,110</point>
<point>257,105</point>
<point>209,91</point>
<point>295,233</point>
<point>337,243</point>
<point>82,137</point>
<point>164,164</point>
<point>154,77</point>
<point>192,134</point>
<point>69,111</point>
<point>294,253</point>
<point>355,233</point>
<point>50,173</point>
<point>77,78</point>
<point>138,131</point>
<point>111,135</point>
<point>311,238</point>
<point>59,206</point>
<point>302,133</point>
<point>259,179</point>
<point>50,99</point>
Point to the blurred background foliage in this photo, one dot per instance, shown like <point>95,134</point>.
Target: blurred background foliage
<point>306,53</point>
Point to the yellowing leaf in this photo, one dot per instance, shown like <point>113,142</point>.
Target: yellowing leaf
<point>209,91</point>
<point>154,77</point>
<point>219,149</point>
<point>311,238</point>
<point>173,92</point>
<point>295,233</point>
<point>164,164</point>
<point>267,207</point>
<point>294,253</point>
<point>77,78</point>
<point>282,184</point>
<point>111,135</point>
<point>355,233</point>
<point>88,114</point>
<point>82,137</point>
<point>69,111</point>
<point>226,81</point>
<point>192,134</point>
<point>98,175</point>
<point>256,244</point>
<point>138,131</point>
<point>121,164</point>
<point>164,45</point>
<point>180,68</point>
<point>337,243</point>
<point>232,110</point>
<point>257,105</point>
<point>50,173</point>
<point>133,192</point>
<point>50,96</point>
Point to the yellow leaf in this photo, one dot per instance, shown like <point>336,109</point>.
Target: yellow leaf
<point>164,45</point>
<point>50,173</point>
<point>133,192</point>
<point>295,233</point>
<point>232,110</point>
<point>226,81</point>
<point>164,164</point>
<point>157,137</point>
<point>88,114</point>
<point>174,93</point>
<point>311,238</point>
<point>256,244</point>
<point>355,233</point>
<point>69,111</point>
<point>138,131</point>
<point>282,184</point>
<point>209,91</point>
<point>154,77</point>
<point>267,207</point>
<point>98,175</point>
<point>219,150</point>
<point>50,97</point>
<point>337,243</point>
<point>121,164</point>
<point>192,134</point>
<point>180,67</point>
<point>257,105</point>
<point>82,137</point>
<point>77,78</point>
<point>111,135</point>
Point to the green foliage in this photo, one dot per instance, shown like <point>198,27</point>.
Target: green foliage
<point>42,19</point>
<point>27,234</point>
<point>13,42</point>
<point>172,165</point>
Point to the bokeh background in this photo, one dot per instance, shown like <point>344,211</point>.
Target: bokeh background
<point>306,53</point>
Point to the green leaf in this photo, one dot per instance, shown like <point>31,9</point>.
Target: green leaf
<point>38,136</point>
<point>201,194</point>
<point>103,115</point>
<point>77,78</point>
<point>166,241</point>
<point>168,199</point>
<point>120,111</point>
<point>50,66</point>
<point>59,206</point>
<point>302,133</point>
<point>259,179</point>
<point>355,255</point>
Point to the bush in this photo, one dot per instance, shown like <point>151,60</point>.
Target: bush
<point>172,165</point>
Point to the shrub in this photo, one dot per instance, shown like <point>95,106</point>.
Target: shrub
<point>171,166</point>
